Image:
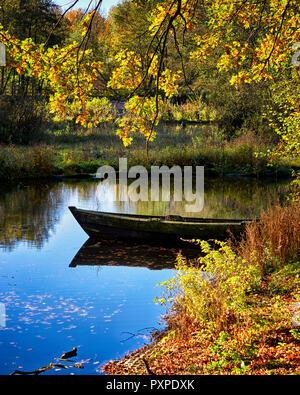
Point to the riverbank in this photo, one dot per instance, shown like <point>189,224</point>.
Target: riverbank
<point>246,323</point>
<point>80,153</point>
<point>273,348</point>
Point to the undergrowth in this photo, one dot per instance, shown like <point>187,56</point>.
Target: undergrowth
<point>232,311</point>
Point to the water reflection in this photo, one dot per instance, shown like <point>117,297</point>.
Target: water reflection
<point>121,253</point>
<point>30,213</point>
<point>47,307</point>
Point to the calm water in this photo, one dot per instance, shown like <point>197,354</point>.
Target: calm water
<point>58,290</point>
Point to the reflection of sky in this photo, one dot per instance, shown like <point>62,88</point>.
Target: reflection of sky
<point>51,308</point>
<point>2,315</point>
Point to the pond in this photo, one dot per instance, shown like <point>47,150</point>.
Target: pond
<point>58,290</point>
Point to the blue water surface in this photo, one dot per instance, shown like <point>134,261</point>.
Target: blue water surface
<point>104,311</point>
<point>107,310</point>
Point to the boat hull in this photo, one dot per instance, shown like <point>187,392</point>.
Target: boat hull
<point>154,228</point>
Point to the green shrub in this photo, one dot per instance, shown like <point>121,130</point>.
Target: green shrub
<point>193,111</point>
<point>240,109</point>
<point>27,162</point>
<point>214,291</point>
<point>100,110</point>
<point>21,119</point>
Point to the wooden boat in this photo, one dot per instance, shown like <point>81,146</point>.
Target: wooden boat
<point>154,228</point>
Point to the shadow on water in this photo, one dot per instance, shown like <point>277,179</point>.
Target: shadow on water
<point>122,253</point>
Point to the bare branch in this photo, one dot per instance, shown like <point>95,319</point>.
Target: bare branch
<point>60,19</point>
<point>277,35</point>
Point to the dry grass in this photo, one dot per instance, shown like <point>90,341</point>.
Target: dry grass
<point>264,341</point>
<point>274,238</point>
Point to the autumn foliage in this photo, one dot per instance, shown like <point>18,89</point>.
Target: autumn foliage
<point>69,72</point>
<point>225,314</point>
<point>250,42</point>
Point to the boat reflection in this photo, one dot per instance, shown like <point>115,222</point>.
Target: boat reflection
<point>31,212</point>
<point>122,253</point>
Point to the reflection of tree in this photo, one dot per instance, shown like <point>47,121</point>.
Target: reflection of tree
<point>28,213</point>
<point>238,198</point>
<point>223,198</point>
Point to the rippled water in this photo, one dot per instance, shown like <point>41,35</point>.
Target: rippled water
<point>58,290</point>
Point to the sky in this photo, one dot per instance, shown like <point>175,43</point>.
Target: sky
<point>106,4</point>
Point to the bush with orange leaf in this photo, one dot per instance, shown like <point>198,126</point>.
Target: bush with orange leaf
<point>274,239</point>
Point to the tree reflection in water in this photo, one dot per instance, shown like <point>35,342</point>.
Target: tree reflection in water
<point>29,212</point>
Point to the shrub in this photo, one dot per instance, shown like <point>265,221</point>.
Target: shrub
<point>214,290</point>
<point>21,119</point>
<point>26,162</point>
<point>193,111</point>
<point>100,110</point>
<point>274,239</point>
<point>239,109</point>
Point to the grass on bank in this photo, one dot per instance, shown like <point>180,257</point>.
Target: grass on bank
<point>230,311</point>
<point>74,152</point>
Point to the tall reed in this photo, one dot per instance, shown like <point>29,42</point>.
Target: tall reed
<point>274,239</point>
